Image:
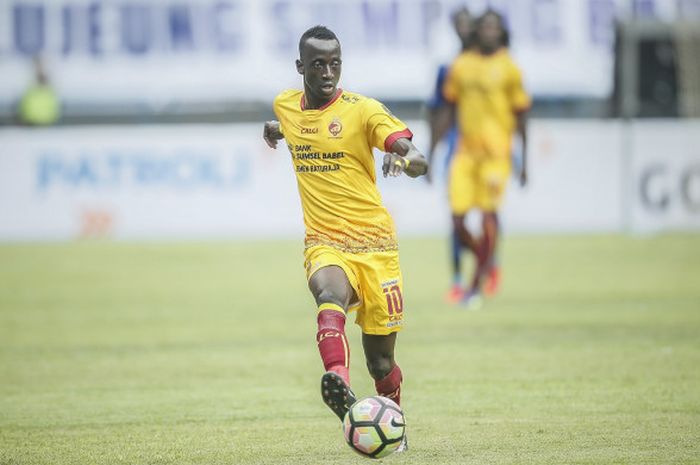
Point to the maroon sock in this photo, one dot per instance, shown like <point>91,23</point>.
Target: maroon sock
<point>332,343</point>
<point>390,385</point>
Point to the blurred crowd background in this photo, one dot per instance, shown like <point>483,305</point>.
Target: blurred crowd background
<point>142,119</point>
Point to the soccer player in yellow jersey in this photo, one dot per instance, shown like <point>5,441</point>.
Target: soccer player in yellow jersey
<point>351,253</point>
<point>485,87</point>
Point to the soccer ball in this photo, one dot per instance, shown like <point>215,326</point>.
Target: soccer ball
<point>374,427</point>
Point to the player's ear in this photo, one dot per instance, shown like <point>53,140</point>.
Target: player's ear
<point>300,67</point>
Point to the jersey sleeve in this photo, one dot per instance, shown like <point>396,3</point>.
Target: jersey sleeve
<point>277,112</point>
<point>518,97</point>
<point>382,127</point>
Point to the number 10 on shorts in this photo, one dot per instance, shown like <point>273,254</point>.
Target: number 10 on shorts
<point>394,299</point>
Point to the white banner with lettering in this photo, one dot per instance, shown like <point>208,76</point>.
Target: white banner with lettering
<point>666,172</point>
<point>222,181</point>
<point>158,52</point>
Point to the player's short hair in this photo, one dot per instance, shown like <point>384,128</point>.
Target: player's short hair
<point>505,36</point>
<point>454,16</point>
<point>463,10</point>
<point>317,32</point>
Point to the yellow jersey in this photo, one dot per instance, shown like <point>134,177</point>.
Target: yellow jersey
<point>331,149</point>
<point>488,92</point>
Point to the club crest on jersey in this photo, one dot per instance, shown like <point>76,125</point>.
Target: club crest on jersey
<point>335,127</point>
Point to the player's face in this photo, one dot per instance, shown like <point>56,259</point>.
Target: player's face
<point>490,33</point>
<point>320,64</point>
<point>463,26</point>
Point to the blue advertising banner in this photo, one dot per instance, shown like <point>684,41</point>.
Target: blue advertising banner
<point>163,51</point>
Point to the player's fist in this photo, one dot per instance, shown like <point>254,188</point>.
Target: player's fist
<point>272,133</point>
<point>393,165</point>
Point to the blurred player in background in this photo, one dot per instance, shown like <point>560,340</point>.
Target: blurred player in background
<point>351,251</point>
<point>442,127</point>
<point>484,87</point>
<point>39,105</point>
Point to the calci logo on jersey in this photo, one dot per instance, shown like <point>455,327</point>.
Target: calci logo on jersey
<point>335,127</point>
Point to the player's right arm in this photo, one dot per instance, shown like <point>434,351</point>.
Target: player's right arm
<point>272,132</point>
<point>441,117</point>
<point>520,102</point>
<point>521,118</point>
<point>446,116</point>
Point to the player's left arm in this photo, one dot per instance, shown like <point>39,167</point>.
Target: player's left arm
<point>404,158</point>
<point>441,113</point>
<point>521,119</point>
<point>521,102</point>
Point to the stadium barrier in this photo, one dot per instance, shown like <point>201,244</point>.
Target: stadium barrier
<point>200,181</point>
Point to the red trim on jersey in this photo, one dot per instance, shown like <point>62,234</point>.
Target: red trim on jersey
<point>325,105</point>
<point>393,137</point>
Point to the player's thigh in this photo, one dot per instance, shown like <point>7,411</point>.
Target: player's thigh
<point>331,278</point>
<point>381,283</point>
<point>461,184</point>
<point>492,184</point>
<point>330,284</point>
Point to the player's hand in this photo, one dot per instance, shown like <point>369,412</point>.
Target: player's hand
<point>523,178</point>
<point>393,165</point>
<point>272,133</point>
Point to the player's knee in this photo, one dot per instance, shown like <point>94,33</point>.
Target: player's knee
<point>379,366</point>
<point>328,296</point>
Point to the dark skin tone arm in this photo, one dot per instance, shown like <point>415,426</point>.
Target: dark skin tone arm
<point>403,150</point>
<point>522,132</point>
<point>441,120</point>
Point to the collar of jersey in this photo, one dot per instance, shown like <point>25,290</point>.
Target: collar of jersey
<point>337,95</point>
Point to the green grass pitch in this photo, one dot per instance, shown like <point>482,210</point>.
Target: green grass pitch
<point>120,353</point>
